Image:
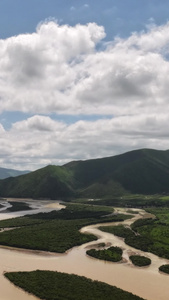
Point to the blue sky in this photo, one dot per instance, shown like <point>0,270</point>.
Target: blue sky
<point>118,17</point>
<point>81,79</point>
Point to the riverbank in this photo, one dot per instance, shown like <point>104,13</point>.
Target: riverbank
<point>147,283</point>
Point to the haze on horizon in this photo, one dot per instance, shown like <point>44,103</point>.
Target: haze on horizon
<point>82,80</point>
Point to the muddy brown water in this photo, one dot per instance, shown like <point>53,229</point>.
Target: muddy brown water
<point>145,282</point>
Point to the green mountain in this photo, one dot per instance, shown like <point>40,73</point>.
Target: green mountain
<point>51,182</point>
<point>144,171</point>
<point>5,173</point>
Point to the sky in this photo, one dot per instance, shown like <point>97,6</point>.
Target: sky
<point>82,79</point>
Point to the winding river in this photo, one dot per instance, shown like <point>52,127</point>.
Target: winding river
<point>145,282</point>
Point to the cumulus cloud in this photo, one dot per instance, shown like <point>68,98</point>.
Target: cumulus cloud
<point>38,123</point>
<point>37,71</point>
<point>67,70</point>
<point>59,69</point>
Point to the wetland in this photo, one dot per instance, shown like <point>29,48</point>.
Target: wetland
<point>145,282</point>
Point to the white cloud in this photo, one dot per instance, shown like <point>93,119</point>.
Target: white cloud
<point>59,70</point>
<point>38,71</point>
<point>38,123</point>
<point>39,140</point>
<point>2,130</point>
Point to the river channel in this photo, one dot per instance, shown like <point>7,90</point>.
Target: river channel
<point>145,282</point>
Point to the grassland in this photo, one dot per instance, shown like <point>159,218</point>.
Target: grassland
<point>49,285</point>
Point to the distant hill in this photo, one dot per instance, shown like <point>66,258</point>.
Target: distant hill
<point>144,171</point>
<point>5,173</point>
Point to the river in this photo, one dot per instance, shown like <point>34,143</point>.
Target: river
<point>145,282</point>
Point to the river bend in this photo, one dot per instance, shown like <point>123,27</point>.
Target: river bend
<point>145,282</point>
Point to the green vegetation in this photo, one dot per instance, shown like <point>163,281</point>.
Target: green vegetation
<point>56,231</point>
<point>162,214</point>
<point>119,230</point>
<point>150,235</point>
<point>52,235</point>
<point>50,182</point>
<point>155,232</point>
<point>113,254</point>
<point>144,172</point>
<point>144,243</point>
<point>130,201</point>
<point>49,285</point>
<point>164,269</point>
<point>140,261</point>
<point>71,212</point>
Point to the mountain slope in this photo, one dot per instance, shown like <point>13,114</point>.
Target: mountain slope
<point>50,182</point>
<point>144,171</point>
<point>140,171</point>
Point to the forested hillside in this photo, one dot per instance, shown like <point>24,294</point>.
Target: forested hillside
<point>143,171</point>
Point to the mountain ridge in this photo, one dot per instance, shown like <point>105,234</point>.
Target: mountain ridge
<point>142,171</point>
